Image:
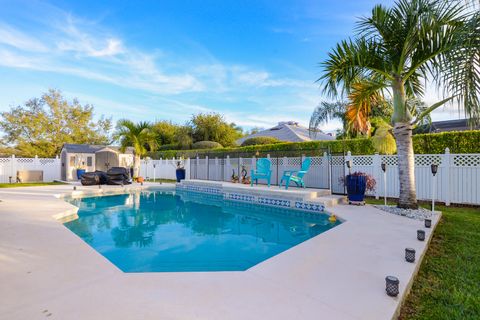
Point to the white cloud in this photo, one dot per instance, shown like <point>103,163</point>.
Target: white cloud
<point>14,38</point>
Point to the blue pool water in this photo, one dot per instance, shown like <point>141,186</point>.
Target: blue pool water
<point>186,231</point>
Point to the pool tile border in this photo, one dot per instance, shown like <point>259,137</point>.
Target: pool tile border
<point>274,201</point>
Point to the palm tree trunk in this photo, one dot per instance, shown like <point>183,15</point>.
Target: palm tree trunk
<point>406,165</point>
<point>136,165</point>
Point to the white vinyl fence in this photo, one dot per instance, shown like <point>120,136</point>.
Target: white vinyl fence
<point>11,165</point>
<point>162,169</point>
<point>457,180</point>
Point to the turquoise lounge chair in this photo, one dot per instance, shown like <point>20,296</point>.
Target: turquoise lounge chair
<point>263,171</point>
<point>296,176</point>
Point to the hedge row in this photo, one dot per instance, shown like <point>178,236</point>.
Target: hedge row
<point>457,142</point>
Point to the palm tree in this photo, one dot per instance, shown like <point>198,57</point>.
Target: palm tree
<point>328,111</point>
<point>402,48</point>
<point>137,135</point>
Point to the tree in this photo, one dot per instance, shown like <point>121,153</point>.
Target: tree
<point>165,132</point>
<point>403,47</point>
<point>364,102</point>
<point>43,125</point>
<point>183,136</point>
<point>140,136</point>
<point>213,127</point>
<point>328,111</point>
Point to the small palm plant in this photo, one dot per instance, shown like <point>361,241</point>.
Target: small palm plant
<point>400,49</point>
<point>137,135</point>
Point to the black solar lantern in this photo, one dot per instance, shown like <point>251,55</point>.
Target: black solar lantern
<point>384,167</point>
<point>428,223</point>
<point>421,235</point>
<point>391,286</point>
<point>434,168</point>
<point>349,166</point>
<point>410,255</point>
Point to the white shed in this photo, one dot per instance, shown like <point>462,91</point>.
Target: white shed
<point>91,158</point>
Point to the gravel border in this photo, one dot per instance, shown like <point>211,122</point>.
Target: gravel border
<point>419,214</point>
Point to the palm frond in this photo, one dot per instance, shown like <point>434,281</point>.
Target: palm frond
<point>349,61</point>
<point>325,112</point>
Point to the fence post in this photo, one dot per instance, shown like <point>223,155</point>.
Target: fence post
<point>227,168</point>
<point>58,166</point>
<point>13,169</point>
<point>36,164</point>
<point>196,166</point>
<point>239,168</point>
<point>377,174</point>
<point>207,163</point>
<point>446,166</point>
<point>326,165</point>
<point>348,157</point>
<point>187,169</point>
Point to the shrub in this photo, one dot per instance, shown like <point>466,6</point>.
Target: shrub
<point>456,141</point>
<point>260,140</point>
<point>206,145</point>
<point>171,146</point>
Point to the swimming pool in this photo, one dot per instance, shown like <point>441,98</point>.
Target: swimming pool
<point>175,231</point>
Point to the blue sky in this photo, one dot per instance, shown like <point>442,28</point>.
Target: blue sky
<point>256,62</point>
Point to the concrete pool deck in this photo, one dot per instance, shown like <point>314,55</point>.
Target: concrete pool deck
<point>46,271</point>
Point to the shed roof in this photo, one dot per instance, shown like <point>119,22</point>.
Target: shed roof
<point>91,148</point>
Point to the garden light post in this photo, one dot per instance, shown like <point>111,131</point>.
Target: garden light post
<point>384,169</point>
<point>434,168</point>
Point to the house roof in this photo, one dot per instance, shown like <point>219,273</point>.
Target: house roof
<point>288,131</point>
<point>447,125</point>
<point>91,148</point>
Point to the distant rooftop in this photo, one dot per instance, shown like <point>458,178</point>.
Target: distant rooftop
<point>447,125</point>
<point>289,131</point>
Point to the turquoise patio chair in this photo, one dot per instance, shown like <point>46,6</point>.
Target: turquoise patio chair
<point>263,171</point>
<point>296,176</point>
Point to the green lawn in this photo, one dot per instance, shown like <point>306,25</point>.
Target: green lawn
<point>32,184</point>
<point>448,283</point>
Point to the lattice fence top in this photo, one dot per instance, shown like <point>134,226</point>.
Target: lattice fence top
<point>466,160</point>
<point>362,161</point>
<point>47,161</point>
<point>338,161</point>
<point>317,161</point>
<point>390,160</point>
<point>25,160</point>
<point>427,160</point>
<point>247,161</point>
<point>5,160</point>
<point>294,161</point>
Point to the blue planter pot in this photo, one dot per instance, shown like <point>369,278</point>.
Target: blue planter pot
<point>80,172</point>
<point>180,174</point>
<point>356,186</point>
